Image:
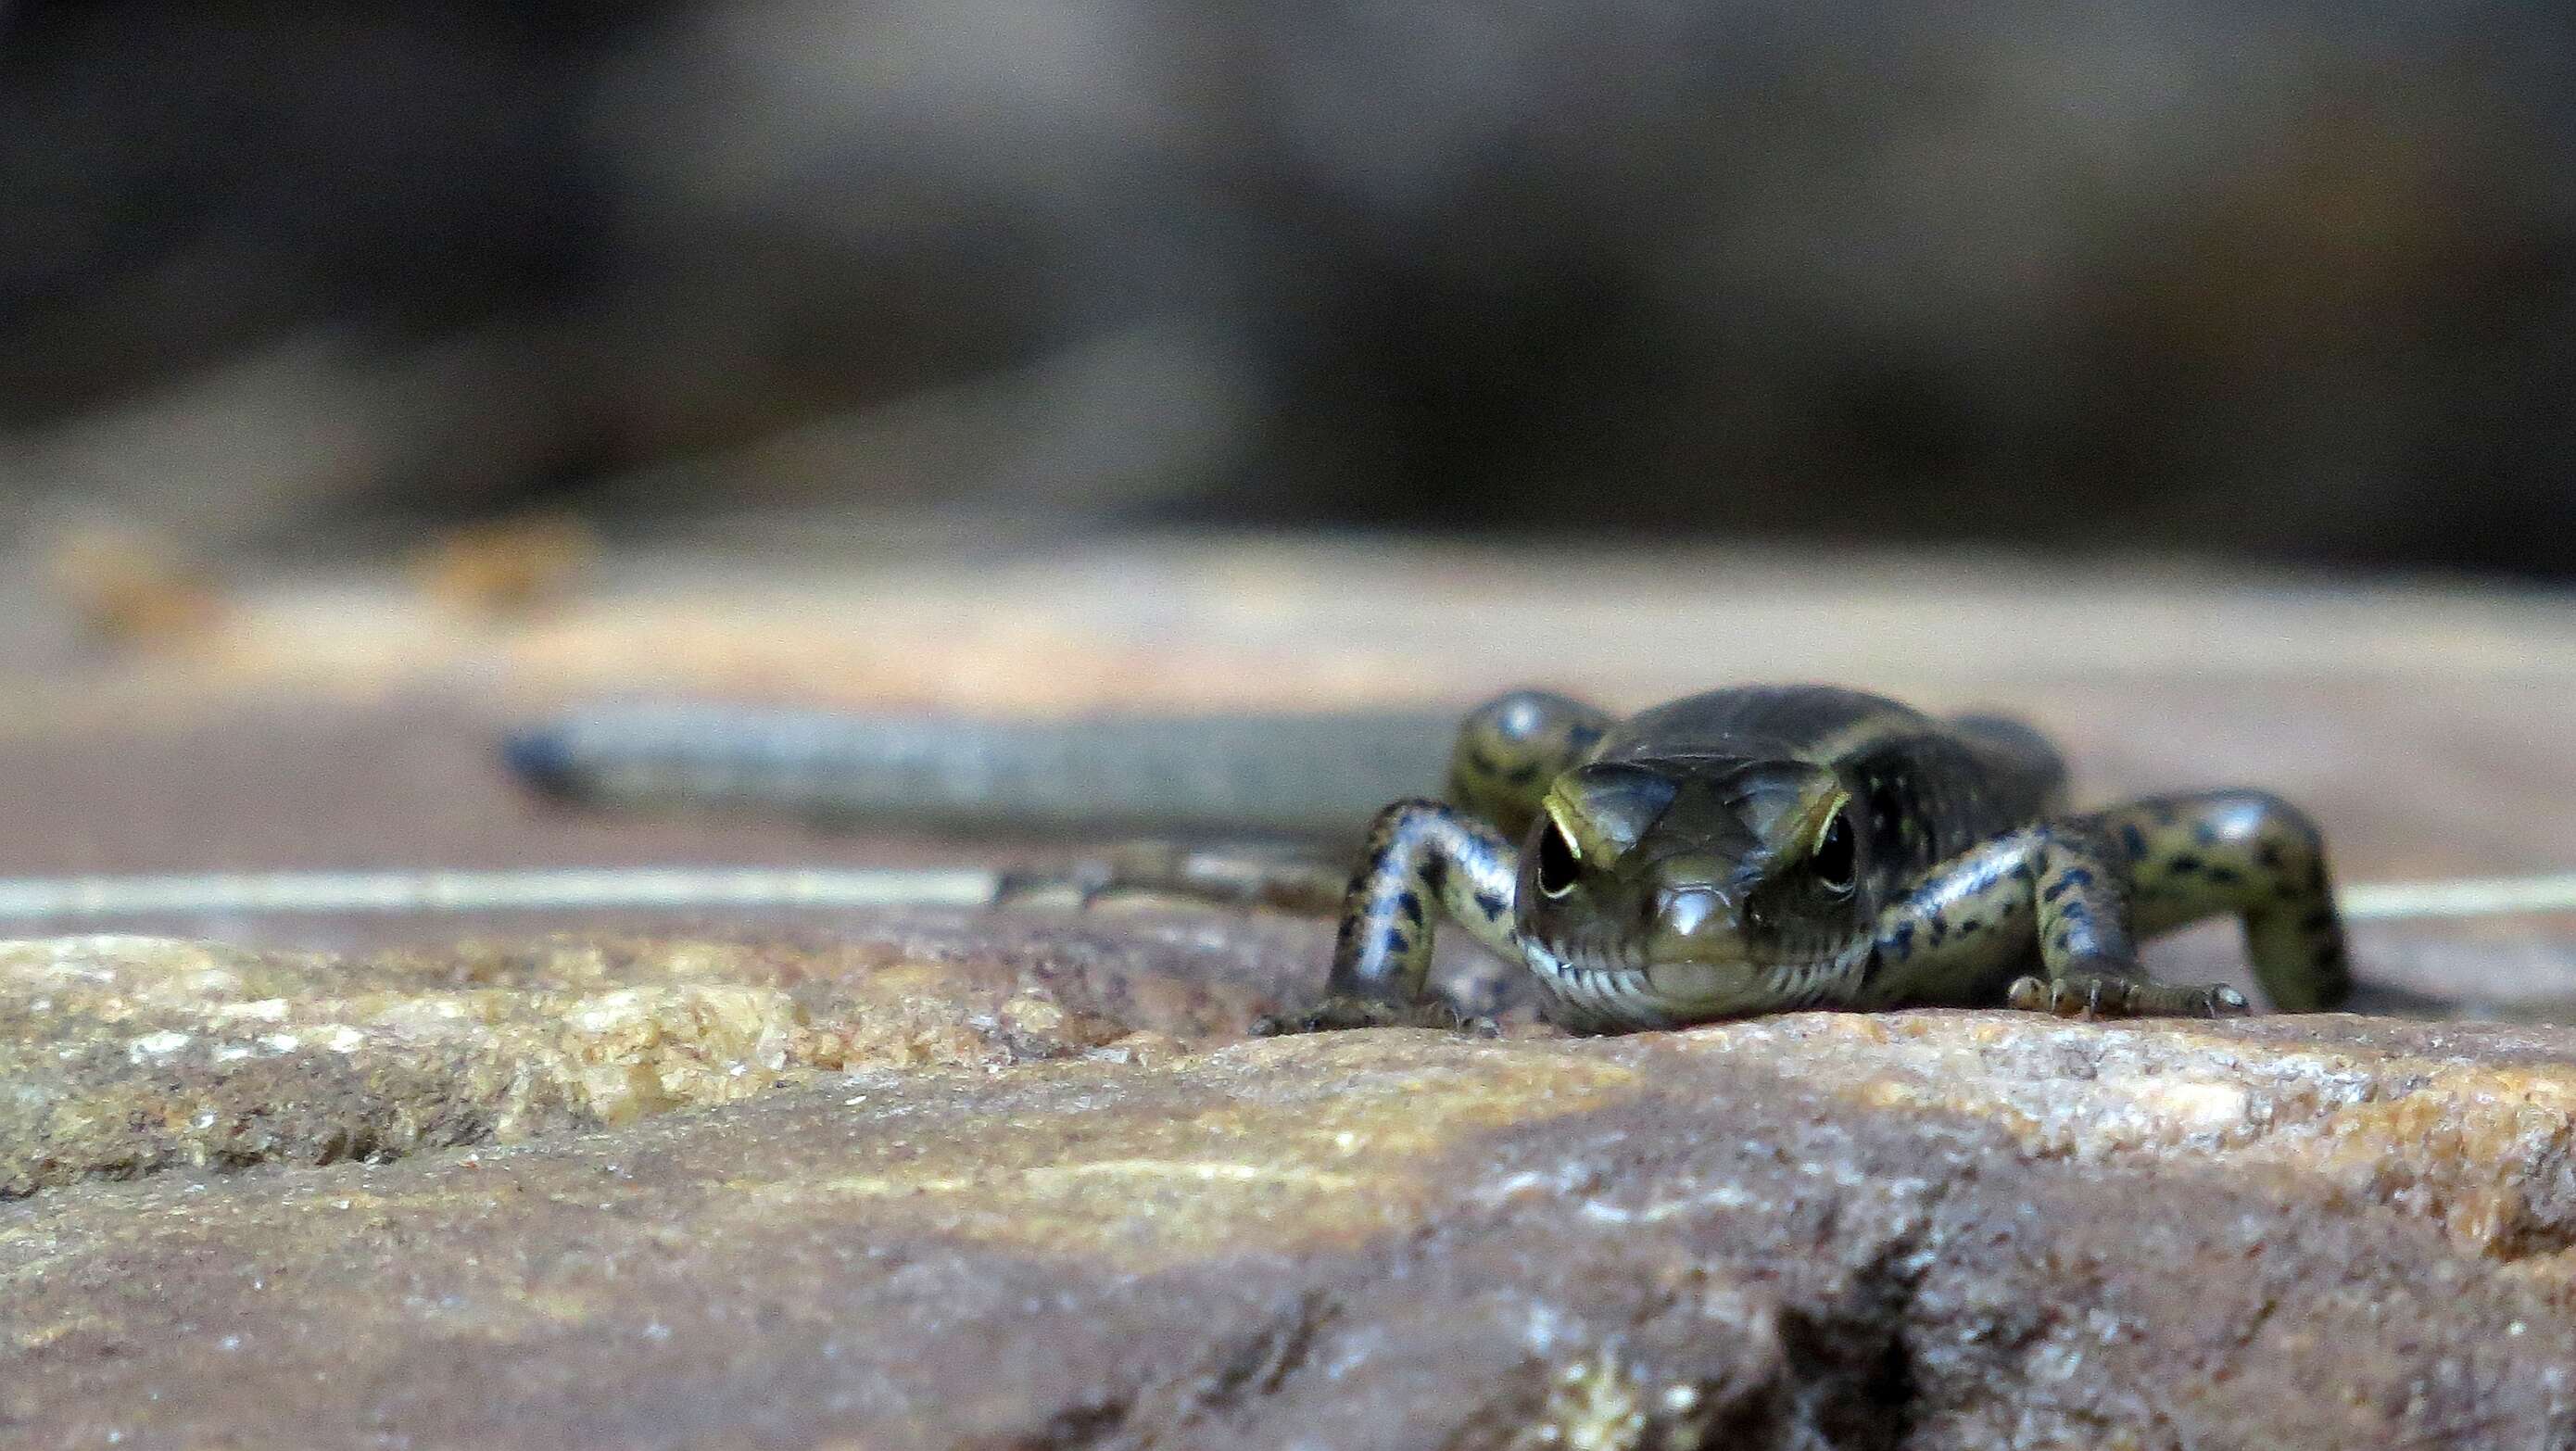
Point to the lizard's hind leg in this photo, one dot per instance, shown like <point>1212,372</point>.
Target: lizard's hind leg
<point>1511,749</point>
<point>2247,854</point>
<point>1506,754</point>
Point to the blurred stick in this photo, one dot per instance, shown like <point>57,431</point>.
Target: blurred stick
<point>2459,897</point>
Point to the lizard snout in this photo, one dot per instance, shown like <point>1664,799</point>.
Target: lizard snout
<point>1693,913</point>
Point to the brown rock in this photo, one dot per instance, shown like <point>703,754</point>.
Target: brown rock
<point>1929,1230</point>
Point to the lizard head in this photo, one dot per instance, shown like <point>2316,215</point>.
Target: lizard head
<point>1712,876</point>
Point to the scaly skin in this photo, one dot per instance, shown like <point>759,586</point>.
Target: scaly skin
<point>1755,850</point>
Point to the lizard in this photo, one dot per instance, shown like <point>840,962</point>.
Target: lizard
<point>1743,851</point>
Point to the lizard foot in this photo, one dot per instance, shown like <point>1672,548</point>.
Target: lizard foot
<point>2118,995</point>
<point>1341,1011</point>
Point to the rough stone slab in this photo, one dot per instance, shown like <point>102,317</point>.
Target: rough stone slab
<point>1927,1230</point>
<point>122,1056</point>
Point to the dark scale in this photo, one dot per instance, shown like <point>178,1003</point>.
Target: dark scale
<point>1754,850</point>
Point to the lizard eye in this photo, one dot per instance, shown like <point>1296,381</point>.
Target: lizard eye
<point>1557,861</point>
<point>1835,859</point>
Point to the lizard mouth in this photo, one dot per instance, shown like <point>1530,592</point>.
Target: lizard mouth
<point>1589,949</point>
<point>1605,975</point>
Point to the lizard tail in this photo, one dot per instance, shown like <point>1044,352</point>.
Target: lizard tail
<point>1293,774</point>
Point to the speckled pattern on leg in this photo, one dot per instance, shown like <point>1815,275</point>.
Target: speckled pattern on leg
<point>2243,853</point>
<point>2084,942</point>
<point>1959,931</point>
<point>2057,887</point>
<point>1422,858</point>
<point>1510,749</point>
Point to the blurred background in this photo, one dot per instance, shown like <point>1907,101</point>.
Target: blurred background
<point>2193,379</point>
<point>2248,278</point>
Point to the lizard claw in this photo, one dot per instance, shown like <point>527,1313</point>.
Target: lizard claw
<point>2113,995</point>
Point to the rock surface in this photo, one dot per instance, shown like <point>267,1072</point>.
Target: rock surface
<point>887,1188</point>
<point>129,1055</point>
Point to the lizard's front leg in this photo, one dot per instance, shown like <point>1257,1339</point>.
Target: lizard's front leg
<point>1423,858</point>
<point>2060,887</point>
